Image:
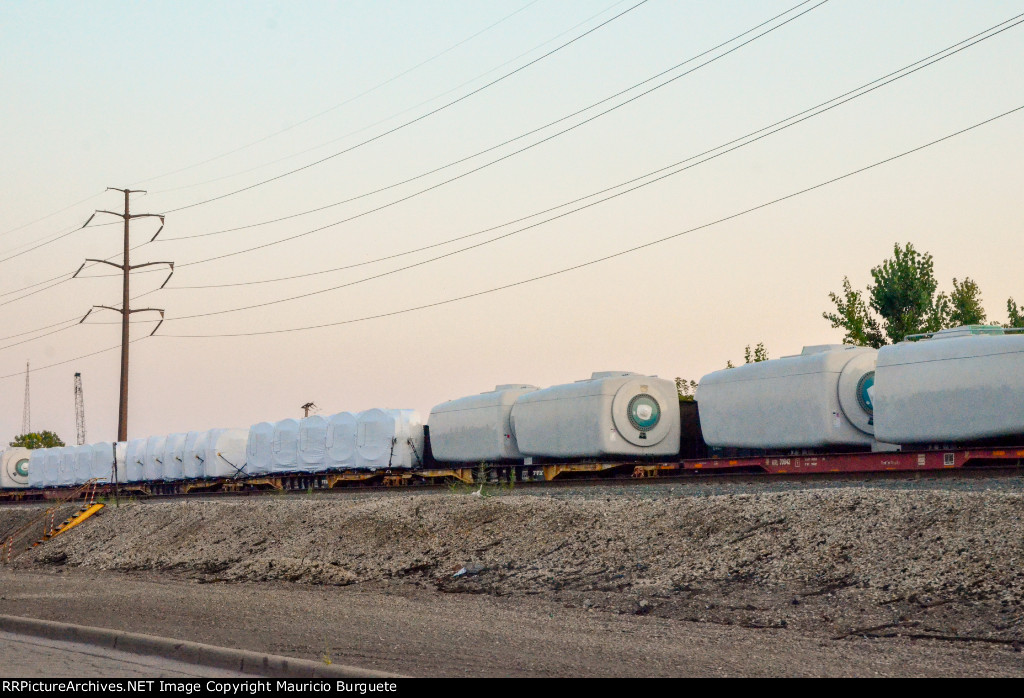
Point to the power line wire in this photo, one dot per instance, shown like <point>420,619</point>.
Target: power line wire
<point>341,104</point>
<point>610,256</point>
<point>533,131</point>
<point>398,113</point>
<point>743,141</point>
<point>415,120</point>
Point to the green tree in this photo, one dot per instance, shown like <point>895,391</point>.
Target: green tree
<point>37,439</point>
<point>1015,313</point>
<point>758,354</point>
<point>686,389</point>
<point>903,301</point>
<point>966,304</point>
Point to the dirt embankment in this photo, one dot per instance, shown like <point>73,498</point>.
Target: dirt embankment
<point>865,561</point>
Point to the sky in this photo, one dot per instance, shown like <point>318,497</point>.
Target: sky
<point>401,122</point>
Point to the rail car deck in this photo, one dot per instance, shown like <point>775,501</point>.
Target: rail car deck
<point>814,464</point>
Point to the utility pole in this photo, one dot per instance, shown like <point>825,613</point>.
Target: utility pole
<point>306,408</point>
<point>26,414</point>
<point>79,410</point>
<point>126,310</point>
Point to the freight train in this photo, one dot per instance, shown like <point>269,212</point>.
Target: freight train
<point>946,399</point>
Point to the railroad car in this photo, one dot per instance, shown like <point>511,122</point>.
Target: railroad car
<point>937,401</point>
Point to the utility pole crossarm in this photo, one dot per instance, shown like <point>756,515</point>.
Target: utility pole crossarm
<point>126,309</point>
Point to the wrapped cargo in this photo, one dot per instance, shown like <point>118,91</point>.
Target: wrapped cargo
<point>14,471</point>
<point>120,450</point>
<point>37,468</point>
<point>820,398</point>
<point>285,446</point>
<point>101,462</point>
<point>174,457</point>
<point>313,444</point>
<point>51,469</point>
<point>224,453</point>
<point>259,450</point>
<point>135,460</point>
<point>960,385</point>
<point>66,466</point>
<point>83,464</point>
<point>477,428</point>
<point>389,439</point>
<point>153,460</point>
<point>340,443</point>
<point>612,413</point>
<point>191,456</point>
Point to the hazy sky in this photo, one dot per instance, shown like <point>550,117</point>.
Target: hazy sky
<point>196,100</point>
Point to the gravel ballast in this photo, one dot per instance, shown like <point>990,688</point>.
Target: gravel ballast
<point>838,562</point>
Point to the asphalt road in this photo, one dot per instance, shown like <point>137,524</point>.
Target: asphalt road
<point>27,657</point>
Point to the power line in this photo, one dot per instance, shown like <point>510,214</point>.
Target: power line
<point>67,361</point>
<point>533,131</point>
<point>126,310</point>
<point>399,113</point>
<point>459,176</point>
<point>615,254</point>
<point>48,215</point>
<point>344,103</point>
<point>742,142</point>
<point>417,119</point>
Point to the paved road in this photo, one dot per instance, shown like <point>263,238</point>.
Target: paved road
<point>30,657</point>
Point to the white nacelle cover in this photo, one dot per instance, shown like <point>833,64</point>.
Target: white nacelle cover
<point>51,469</point>
<point>101,461</point>
<point>259,450</point>
<point>192,456</point>
<point>153,461</point>
<point>120,451</point>
<point>16,468</point>
<point>285,446</point>
<point>66,467</point>
<point>963,384</point>
<point>821,397</point>
<point>389,439</point>
<point>340,441</point>
<point>82,470</point>
<point>225,453</point>
<point>135,461</point>
<point>612,413</point>
<point>174,456</point>
<point>313,444</point>
<point>478,427</point>
<point>37,468</point>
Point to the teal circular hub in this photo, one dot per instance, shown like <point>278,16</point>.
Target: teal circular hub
<point>864,386</point>
<point>21,467</point>
<point>644,412</point>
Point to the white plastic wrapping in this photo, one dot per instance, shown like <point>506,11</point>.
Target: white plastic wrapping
<point>174,457</point>
<point>285,446</point>
<point>340,442</point>
<point>312,455</point>
<point>389,439</point>
<point>135,460</point>
<point>37,468</point>
<point>224,453</point>
<point>259,451</point>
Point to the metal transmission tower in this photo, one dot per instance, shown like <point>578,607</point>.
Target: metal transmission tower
<point>79,410</point>
<point>26,414</point>
<point>126,310</point>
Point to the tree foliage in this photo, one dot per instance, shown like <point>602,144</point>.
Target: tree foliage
<point>903,300</point>
<point>37,439</point>
<point>1015,313</point>
<point>686,389</point>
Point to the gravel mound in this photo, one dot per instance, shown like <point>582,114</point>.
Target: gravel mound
<point>868,561</point>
